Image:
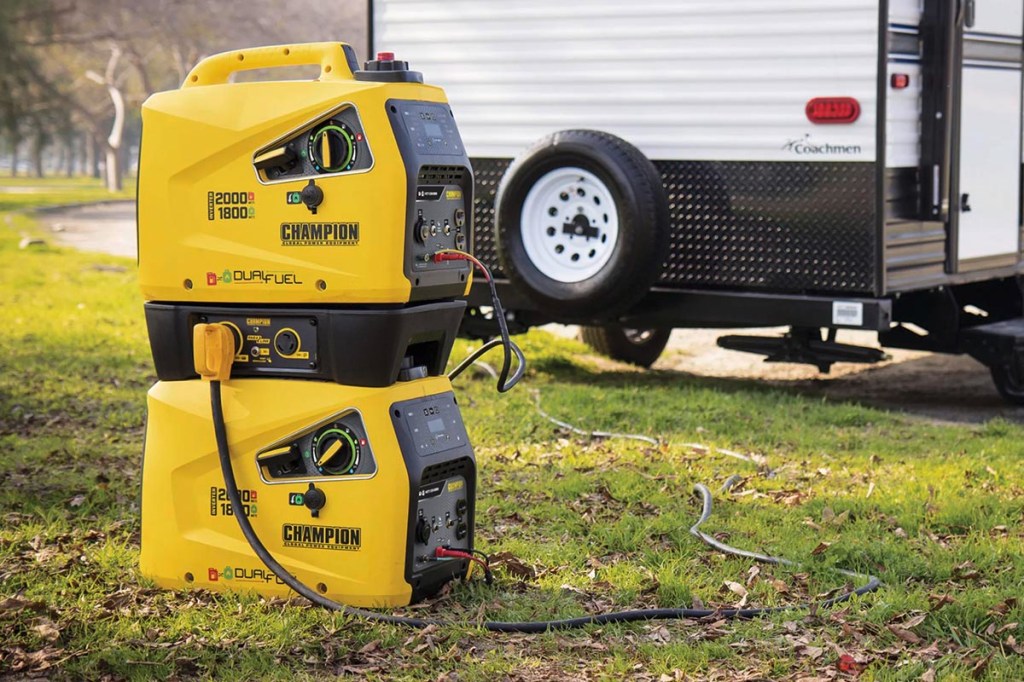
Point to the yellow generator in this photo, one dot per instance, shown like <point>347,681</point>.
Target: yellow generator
<point>309,220</point>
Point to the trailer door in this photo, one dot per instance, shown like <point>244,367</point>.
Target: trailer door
<point>987,202</point>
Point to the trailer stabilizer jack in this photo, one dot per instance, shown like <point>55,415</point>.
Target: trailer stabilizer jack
<point>804,346</point>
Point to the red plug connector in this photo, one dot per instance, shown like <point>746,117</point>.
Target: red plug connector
<point>447,256</point>
<point>445,553</point>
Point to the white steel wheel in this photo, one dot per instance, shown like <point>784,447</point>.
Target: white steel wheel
<point>581,225</point>
<point>570,224</point>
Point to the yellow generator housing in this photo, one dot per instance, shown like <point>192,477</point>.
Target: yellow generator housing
<point>365,546</point>
<point>303,217</point>
<point>334,191</point>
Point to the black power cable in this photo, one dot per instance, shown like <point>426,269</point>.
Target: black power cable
<point>220,431</point>
<point>504,381</point>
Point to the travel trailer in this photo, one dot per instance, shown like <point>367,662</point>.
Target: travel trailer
<point>816,164</point>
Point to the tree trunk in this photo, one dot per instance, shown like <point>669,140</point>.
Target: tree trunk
<point>92,160</point>
<point>114,167</point>
<point>38,144</point>
<point>83,141</point>
<point>113,172</point>
<point>12,142</point>
<point>70,143</point>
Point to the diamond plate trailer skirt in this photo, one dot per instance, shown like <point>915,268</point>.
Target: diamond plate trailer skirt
<point>738,225</point>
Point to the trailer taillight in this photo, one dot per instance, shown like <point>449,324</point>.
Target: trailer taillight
<point>899,80</point>
<point>833,110</point>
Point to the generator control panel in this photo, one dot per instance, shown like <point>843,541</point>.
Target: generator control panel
<point>434,425</point>
<point>442,474</point>
<point>265,343</point>
<point>439,212</point>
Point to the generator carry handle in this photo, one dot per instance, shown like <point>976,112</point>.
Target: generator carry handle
<point>332,58</point>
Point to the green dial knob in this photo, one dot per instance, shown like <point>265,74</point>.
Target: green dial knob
<point>336,450</point>
<point>332,148</point>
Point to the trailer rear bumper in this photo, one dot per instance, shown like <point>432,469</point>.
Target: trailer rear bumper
<point>722,309</point>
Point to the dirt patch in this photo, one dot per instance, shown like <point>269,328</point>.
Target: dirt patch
<point>106,228</point>
<point>937,387</point>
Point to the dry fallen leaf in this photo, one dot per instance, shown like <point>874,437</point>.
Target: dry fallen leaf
<point>512,565</point>
<point>905,635</point>
<point>820,549</point>
<point>752,574</point>
<point>371,647</point>
<point>913,621</point>
<point>737,588</point>
<point>939,600</point>
<point>979,668</point>
<point>47,630</point>
<point>17,604</point>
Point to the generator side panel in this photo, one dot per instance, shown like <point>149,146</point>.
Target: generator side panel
<point>714,93</point>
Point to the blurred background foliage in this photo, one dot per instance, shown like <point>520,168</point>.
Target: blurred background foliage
<point>74,72</point>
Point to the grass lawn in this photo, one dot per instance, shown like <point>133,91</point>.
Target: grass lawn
<point>934,510</point>
<point>24,193</point>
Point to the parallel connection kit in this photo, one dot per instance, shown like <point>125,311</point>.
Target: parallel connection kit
<point>305,217</point>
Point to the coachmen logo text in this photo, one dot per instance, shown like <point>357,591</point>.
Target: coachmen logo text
<point>805,146</point>
<point>321,537</point>
<point>319,234</point>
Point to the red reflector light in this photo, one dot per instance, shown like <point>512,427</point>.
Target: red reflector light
<point>833,110</point>
<point>899,80</point>
<point>385,56</point>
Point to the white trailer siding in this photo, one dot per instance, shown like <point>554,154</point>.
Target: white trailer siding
<point>706,80</point>
<point>906,12</point>
<point>903,107</point>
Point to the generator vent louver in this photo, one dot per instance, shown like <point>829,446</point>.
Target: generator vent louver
<point>441,175</point>
<point>445,470</point>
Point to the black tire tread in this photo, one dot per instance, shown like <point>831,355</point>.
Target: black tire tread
<point>612,342</point>
<point>1007,385</point>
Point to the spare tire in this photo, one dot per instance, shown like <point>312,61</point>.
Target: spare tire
<point>582,225</point>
